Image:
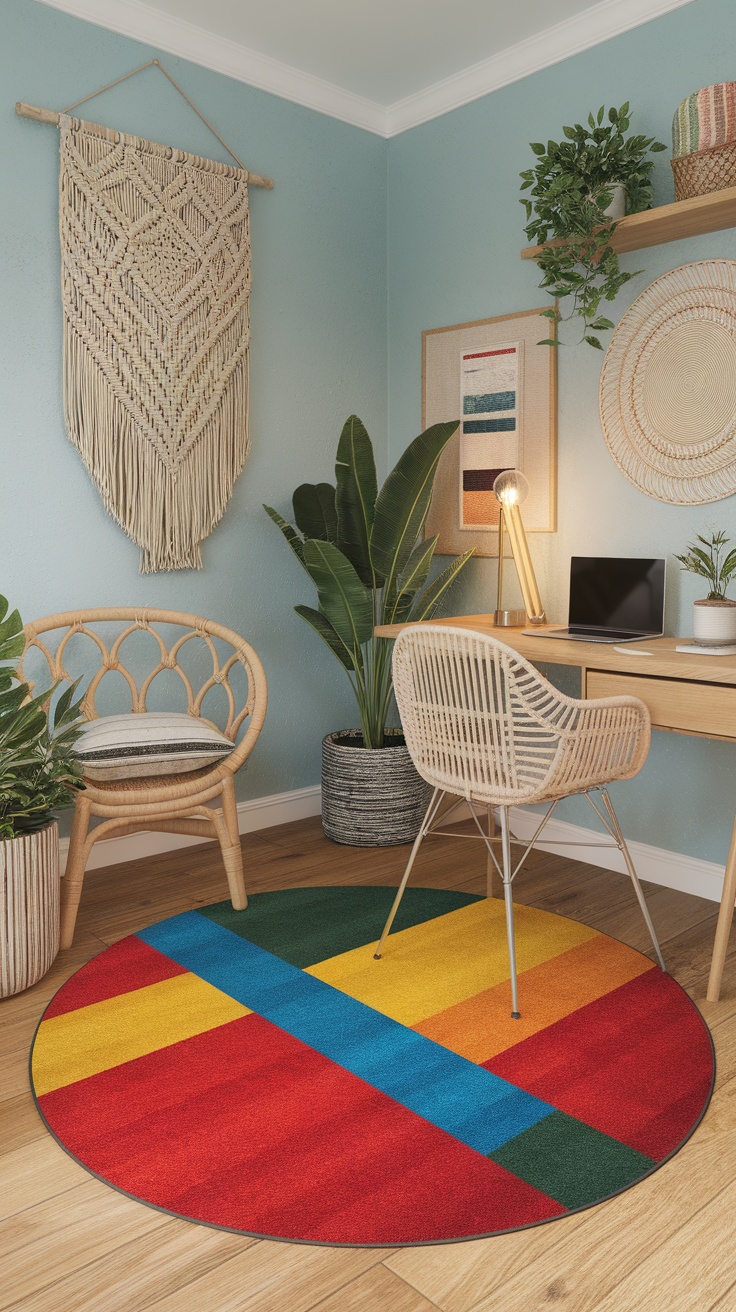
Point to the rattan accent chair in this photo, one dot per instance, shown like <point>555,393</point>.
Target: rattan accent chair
<point>173,803</point>
<point>482,724</point>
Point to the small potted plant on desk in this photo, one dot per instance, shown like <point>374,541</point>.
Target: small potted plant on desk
<point>364,552</point>
<point>714,616</point>
<point>39,775</point>
<point>579,189</point>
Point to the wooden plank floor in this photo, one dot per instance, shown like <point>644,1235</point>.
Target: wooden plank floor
<point>67,1241</point>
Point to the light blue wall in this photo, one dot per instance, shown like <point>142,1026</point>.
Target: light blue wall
<point>455,230</point>
<point>319,353</point>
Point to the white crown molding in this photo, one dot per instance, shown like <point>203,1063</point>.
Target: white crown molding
<point>175,36</point>
<point>133,19</point>
<point>605,20</point>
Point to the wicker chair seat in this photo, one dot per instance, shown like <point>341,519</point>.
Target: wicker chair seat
<point>144,783</point>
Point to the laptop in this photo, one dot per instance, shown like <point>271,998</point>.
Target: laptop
<point>612,599</point>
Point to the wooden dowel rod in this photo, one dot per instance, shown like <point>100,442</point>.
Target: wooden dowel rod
<point>40,115</point>
<point>35,112</point>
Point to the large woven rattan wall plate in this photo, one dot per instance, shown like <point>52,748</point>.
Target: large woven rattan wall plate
<point>668,386</point>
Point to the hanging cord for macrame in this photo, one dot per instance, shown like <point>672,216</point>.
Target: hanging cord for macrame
<point>154,63</point>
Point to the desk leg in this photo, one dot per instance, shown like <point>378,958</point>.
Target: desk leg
<point>494,883</point>
<point>725,917</point>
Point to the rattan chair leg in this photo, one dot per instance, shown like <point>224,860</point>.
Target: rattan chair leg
<point>232,852</point>
<point>619,836</point>
<point>509,900</point>
<point>71,884</point>
<point>425,827</point>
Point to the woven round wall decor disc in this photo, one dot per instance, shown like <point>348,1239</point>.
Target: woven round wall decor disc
<point>668,386</point>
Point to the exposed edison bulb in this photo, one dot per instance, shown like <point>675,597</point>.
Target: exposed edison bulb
<point>511,487</point>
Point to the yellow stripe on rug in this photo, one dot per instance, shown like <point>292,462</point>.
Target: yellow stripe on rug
<point>81,1043</point>
<point>448,959</point>
<point>481,1027</point>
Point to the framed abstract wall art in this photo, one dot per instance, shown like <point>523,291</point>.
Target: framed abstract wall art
<point>503,387</point>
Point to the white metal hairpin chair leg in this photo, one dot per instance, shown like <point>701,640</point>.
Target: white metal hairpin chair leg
<point>483,725</point>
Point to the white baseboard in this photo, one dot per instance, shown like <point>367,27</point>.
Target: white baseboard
<point>259,813</point>
<point>688,874</point>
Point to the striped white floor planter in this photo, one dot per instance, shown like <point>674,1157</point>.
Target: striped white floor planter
<point>29,908</point>
<point>371,797</point>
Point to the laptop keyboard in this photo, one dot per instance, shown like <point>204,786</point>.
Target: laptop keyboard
<point>605,635</point>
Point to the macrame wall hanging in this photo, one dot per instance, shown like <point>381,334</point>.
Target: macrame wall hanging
<point>155,260</point>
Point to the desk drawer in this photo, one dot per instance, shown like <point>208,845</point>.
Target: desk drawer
<point>699,708</point>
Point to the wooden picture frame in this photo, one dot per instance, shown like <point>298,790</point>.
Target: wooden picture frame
<point>503,386</point>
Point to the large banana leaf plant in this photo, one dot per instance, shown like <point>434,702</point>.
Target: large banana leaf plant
<point>364,552</point>
<point>39,772</point>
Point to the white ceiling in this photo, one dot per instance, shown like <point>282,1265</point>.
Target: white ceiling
<point>385,65</point>
<point>384,50</point>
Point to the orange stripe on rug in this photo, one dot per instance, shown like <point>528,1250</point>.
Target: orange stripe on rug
<point>480,1027</point>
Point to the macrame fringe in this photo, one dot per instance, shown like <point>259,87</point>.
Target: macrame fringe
<point>155,283</point>
<point>167,515</point>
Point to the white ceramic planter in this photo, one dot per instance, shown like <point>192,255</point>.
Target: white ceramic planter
<point>617,207</point>
<point>714,623</point>
<point>29,908</point>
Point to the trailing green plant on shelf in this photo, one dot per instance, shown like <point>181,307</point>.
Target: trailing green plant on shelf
<point>364,552</point>
<point>570,187</point>
<point>39,772</point>
<point>711,561</point>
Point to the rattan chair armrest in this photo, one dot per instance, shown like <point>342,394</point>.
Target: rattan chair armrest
<point>609,741</point>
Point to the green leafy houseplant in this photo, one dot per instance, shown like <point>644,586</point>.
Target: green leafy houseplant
<point>363,551</point>
<point>570,187</point>
<point>712,562</point>
<point>39,773</point>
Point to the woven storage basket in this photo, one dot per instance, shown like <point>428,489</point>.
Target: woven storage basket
<point>371,797</point>
<point>704,170</point>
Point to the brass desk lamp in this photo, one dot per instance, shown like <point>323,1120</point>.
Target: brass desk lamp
<point>510,490</point>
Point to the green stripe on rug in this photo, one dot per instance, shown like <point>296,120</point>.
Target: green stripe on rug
<point>330,920</point>
<point>549,1156</point>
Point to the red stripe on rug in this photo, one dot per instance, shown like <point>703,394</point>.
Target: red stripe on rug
<point>247,1127</point>
<point>126,966</point>
<point>615,1060</point>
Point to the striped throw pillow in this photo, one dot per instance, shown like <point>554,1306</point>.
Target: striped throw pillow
<point>131,746</point>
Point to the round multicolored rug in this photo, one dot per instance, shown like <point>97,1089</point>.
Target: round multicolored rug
<point>260,1071</point>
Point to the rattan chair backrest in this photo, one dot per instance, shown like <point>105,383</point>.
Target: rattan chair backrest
<point>481,722</point>
<point>245,699</point>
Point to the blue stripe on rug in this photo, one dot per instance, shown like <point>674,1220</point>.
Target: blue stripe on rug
<point>475,1106</point>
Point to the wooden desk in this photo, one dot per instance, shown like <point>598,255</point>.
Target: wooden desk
<point>695,695</point>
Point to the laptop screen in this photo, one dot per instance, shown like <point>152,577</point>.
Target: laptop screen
<point>611,592</point>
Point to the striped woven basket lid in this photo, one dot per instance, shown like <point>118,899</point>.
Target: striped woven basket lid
<point>705,119</point>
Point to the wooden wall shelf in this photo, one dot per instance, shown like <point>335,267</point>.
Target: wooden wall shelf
<point>684,218</point>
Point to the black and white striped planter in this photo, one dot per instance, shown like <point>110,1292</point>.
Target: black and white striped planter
<point>371,796</point>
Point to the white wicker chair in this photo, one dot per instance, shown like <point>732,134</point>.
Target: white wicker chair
<point>482,724</point>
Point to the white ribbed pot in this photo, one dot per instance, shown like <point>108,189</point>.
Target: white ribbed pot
<point>714,623</point>
<point>29,906</point>
<point>616,208</point>
<point>371,796</point>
